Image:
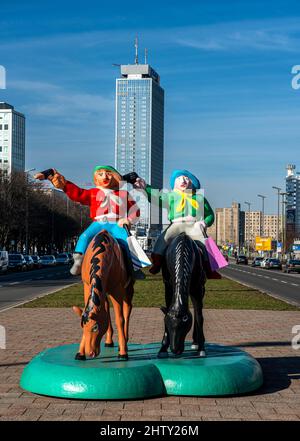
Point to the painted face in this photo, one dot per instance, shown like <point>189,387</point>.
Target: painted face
<point>105,178</point>
<point>182,183</point>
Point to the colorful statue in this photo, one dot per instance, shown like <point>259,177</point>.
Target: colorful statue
<point>189,213</point>
<point>110,208</point>
<point>181,253</point>
<point>104,274</point>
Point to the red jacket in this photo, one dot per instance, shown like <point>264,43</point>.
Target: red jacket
<point>115,204</point>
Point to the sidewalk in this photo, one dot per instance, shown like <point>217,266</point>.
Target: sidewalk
<point>264,334</point>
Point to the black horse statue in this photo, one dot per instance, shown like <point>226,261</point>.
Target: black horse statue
<point>184,277</point>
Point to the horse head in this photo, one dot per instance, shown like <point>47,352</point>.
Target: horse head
<point>94,323</point>
<point>178,323</point>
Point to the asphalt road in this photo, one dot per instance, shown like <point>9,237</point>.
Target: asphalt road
<point>274,282</point>
<point>20,287</point>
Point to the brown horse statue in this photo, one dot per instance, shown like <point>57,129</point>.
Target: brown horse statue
<point>104,275</point>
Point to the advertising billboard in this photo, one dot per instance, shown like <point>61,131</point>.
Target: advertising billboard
<point>264,243</point>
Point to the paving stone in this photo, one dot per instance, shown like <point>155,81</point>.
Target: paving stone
<point>278,399</point>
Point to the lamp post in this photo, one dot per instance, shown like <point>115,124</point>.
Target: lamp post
<point>27,212</point>
<point>248,232</point>
<point>283,227</point>
<point>278,204</point>
<point>263,213</point>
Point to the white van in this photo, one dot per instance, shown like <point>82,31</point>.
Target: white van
<point>3,262</point>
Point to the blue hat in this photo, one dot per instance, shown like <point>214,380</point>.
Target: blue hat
<point>176,173</point>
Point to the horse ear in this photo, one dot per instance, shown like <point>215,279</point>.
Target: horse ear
<point>164,309</point>
<point>77,310</point>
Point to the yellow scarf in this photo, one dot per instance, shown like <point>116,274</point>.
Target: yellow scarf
<point>184,199</point>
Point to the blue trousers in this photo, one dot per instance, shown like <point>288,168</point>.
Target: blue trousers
<point>113,228</point>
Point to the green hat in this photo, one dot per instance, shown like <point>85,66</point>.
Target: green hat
<point>107,167</point>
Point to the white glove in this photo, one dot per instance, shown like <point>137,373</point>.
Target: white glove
<point>140,183</point>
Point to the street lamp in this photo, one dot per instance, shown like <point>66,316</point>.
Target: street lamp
<point>27,211</point>
<point>263,213</point>
<point>248,229</point>
<point>278,204</point>
<point>283,227</point>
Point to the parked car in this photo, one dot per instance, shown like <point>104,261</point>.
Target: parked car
<point>241,259</point>
<point>292,265</point>
<point>29,262</point>
<point>63,259</point>
<point>17,262</point>
<point>271,263</point>
<point>36,261</point>
<point>3,262</point>
<point>48,260</point>
<point>257,261</point>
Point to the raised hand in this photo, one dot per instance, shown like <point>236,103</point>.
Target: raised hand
<point>140,183</point>
<point>53,176</point>
<point>130,177</point>
<point>58,180</point>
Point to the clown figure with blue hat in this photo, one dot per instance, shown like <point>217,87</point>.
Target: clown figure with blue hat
<point>189,212</point>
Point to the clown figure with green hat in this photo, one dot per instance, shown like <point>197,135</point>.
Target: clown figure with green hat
<point>189,212</point>
<point>111,208</point>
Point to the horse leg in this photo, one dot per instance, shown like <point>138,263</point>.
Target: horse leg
<point>109,333</point>
<point>198,333</point>
<point>163,352</point>
<point>127,308</point>
<point>119,317</point>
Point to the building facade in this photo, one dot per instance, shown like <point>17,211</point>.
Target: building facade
<point>228,228</point>
<point>253,226</point>
<point>12,139</point>
<point>139,137</point>
<point>292,204</point>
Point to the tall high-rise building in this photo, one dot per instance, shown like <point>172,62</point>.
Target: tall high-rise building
<point>293,204</point>
<point>12,139</point>
<point>139,138</point>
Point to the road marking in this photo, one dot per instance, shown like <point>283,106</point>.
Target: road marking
<point>294,284</point>
<point>282,281</point>
<point>266,277</point>
<point>14,283</point>
<point>276,280</point>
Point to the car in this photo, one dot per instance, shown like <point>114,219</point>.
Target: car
<point>29,262</point>
<point>71,258</point>
<point>36,261</point>
<point>48,260</point>
<point>257,261</point>
<point>292,265</point>
<point>63,259</point>
<point>17,262</point>
<point>241,259</point>
<point>272,263</point>
<point>3,262</point>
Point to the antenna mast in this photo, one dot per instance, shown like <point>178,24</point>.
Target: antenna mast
<point>136,61</point>
<point>146,56</point>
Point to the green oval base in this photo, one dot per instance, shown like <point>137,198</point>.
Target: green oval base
<point>225,371</point>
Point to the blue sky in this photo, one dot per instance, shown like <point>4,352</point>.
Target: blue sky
<point>231,115</point>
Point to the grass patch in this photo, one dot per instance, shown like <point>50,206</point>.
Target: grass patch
<point>220,294</point>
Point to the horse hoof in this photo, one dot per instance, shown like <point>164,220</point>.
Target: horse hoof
<point>162,354</point>
<point>109,345</point>
<point>78,356</point>
<point>202,354</point>
<point>194,347</point>
<point>123,357</point>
